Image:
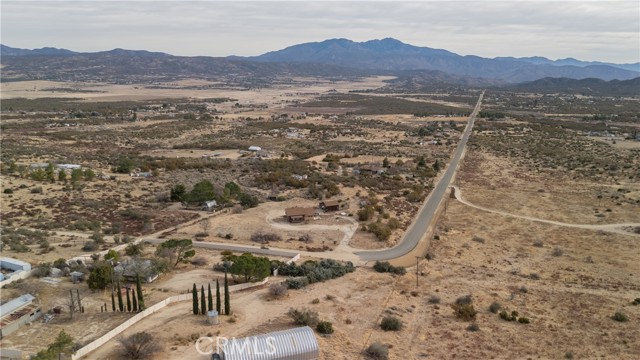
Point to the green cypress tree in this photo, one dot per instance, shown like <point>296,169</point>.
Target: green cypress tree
<point>203,301</point>
<point>227,300</point>
<point>140,294</point>
<point>134,300</point>
<point>113,301</point>
<point>194,294</point>
<point>120,304</point>
<point>218,300</point>
<point>209,298</point>
<point>128,301</point>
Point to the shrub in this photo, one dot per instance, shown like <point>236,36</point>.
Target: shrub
<point>90,246</point>
<point>8,191</point>
<point>557,252</point>
<point>464,300</point>
<point>494,307</point>
<point>523,320</point>
<point>384,266</point>
<point>377,351</point>
<point>464,312</point>
<point>261,237</point>
<point>37,190</point>
<point>315,301</point>
<point>504,315</point>
<point>538,243</point>
<point>42,270</point>
<point>524,289</point>
<point>133,249</point>
<point>620,317</point>
<point>304,317</point>
<point>478,239</point>
<point>473,327</point>
<point>140,345</point>
<point>380,230</point>
<point>324,327</point>
<point>391,323</point>
<point>297,282</point>
<point>199,261</point>
<point>277,290</point>
<point>568,355</point>
<point>636,301</point>
<point>434,299</point>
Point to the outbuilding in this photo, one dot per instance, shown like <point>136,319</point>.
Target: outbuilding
<point>17,312</point>
<point>292,344</point>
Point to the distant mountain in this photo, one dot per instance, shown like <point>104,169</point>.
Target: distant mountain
<point>394,55</point>
<point>572,62</point>
<point>129,66</point>
<point>584,86</point>
<point>9,51</point>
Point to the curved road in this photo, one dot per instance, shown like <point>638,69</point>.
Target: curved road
<point>425,216</point>
<point>614,228</point>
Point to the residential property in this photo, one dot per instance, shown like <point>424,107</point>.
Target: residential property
<point>369,170</point>
<point>330,205</point>
<point>255,148</point>
<point>130,269</point>
<point>17,312</point>
<point>299,214</point>
<point>294,344</point>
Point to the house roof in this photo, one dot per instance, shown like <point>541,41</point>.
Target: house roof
<point>298,343</point>
<point>300,211</point>
<point>330,203</point>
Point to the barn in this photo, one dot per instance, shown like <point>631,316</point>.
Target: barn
<point>292,344</point>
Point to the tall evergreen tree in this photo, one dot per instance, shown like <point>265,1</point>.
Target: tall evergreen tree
<point>128,301</point>
<point>113,300</point>
<point>209,298</point>
<point>134,300</point>
<point>194,294</point>
<point>140,294</point>
<point>120,304</point>
<point>203,301</point>
<point>218,300</point>
<point>227,300</point>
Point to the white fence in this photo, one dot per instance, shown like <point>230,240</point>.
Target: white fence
<point>146,312</point>
<point>18,275</point>
<point>10,354</point>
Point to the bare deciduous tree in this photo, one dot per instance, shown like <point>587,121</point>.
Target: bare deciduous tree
<point>140,345</point>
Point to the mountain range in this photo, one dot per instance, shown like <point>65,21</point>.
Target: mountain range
<point>340,57</point>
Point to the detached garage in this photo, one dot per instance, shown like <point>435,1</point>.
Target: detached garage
<point>293,344</point>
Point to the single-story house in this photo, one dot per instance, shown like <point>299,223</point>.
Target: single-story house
<point>330,205</point>
<point>299,214</point>
<point>255,148</point>
<point>297,343</point>
<point>130,269</point>
<point>18,312</point>
<point>209,205</point>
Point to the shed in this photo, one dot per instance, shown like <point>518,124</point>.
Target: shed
<point>330,205</point>
<point>292,344</point>
<point>255,148</point>
<point>299,214</point>
<point>76,276</point>
<point>209,205</point>
<point>18,312</point>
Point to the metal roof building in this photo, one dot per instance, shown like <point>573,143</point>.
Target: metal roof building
<point>293,344</point>
<point>16,313</point>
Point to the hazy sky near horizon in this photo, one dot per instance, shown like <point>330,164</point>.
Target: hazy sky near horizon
<point>586,30</point>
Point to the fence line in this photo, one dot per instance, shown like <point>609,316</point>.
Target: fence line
<point>146,312</point>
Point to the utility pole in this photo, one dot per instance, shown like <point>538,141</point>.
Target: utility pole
<point>417,269</point>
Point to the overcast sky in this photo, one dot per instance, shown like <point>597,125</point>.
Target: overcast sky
<point>587,30</point>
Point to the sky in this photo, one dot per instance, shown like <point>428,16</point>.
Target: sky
<point>587,30</point>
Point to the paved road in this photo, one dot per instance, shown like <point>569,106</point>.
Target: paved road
<point>425,216</point>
